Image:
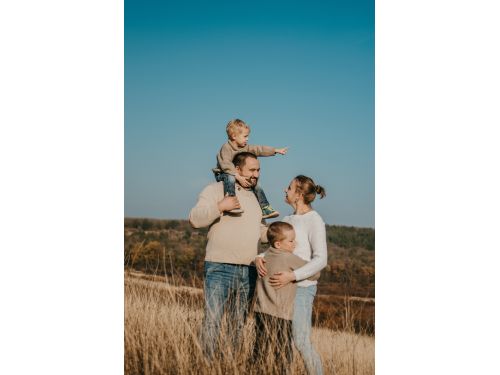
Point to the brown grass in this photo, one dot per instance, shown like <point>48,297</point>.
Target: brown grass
<point>162,324</point>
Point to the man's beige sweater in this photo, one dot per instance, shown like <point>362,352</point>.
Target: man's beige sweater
<point>278,302</point>
<point>231,238</point>
<point>228,152</point>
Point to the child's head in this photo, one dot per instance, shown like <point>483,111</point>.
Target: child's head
<point>237,131</point>
<point>281,236</point>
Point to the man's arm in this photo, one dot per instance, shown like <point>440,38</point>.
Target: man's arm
<point>206,210</point>
<point>263,232</point>
<point>260,262</point>
<point>209,207</point>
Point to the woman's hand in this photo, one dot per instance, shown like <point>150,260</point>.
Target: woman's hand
<point>280,279</point>
<point>261,267</point>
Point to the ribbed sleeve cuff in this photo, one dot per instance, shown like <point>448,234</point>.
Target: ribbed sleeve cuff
<point>297,275</point>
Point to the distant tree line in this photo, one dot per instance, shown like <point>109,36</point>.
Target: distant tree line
<point>174,247</point>
<point>342,236</point>
<point>157,224</point>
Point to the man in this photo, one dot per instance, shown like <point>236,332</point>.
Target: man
<point>233,240</point>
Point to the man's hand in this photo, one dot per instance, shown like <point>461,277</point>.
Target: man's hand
<point>242,181</point>
<point>228,204</point>
<point>281,151</point>
<point>260,263</point>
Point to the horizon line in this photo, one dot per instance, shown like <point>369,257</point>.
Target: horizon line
<point>185,219</point>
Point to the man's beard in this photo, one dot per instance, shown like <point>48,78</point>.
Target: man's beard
<point>253,181</point>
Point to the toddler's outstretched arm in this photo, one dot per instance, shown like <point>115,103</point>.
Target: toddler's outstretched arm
<point>281,151</point>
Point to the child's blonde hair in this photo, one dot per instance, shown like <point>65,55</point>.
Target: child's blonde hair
<point>235,126</point>
<point>277,231</point>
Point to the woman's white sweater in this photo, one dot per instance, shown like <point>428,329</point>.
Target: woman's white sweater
<point>310,234</point>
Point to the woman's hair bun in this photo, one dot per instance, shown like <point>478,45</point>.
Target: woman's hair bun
<point>320,190</point>
<point>306,186</point>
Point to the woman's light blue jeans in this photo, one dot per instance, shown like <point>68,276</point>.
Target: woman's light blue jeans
<point>302,327</point>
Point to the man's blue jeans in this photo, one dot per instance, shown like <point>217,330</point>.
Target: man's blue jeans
<point>302,327</point>
<point>229,288</point>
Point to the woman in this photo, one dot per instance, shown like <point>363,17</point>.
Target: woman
<point>311,246</point>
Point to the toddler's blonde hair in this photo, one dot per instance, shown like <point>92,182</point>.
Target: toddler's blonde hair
<point>235,127</point>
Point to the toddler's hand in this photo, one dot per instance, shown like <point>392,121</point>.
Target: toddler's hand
<point>281,151</point>
<point>243,182</point>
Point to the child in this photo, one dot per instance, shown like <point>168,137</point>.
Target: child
<point>237,132</point>
<point>274,307</point>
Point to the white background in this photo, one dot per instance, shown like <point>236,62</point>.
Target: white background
<point>437,188</point>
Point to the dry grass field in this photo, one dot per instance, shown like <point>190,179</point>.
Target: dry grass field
<point>162,323</point>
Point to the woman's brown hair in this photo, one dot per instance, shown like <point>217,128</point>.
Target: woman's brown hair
<point>306,186</point>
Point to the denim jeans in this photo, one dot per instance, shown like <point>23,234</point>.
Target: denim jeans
<point>261,196</point>
<point>229,288</point>
<point>302,327</point>
<point>229,182</point>
<point>229,188</point>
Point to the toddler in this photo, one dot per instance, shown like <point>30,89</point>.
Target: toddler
<point>237,133</point>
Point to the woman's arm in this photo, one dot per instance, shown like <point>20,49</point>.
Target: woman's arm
<point>317,240</point>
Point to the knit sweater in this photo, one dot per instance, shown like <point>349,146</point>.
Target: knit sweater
<point>231,239</point>
<point>310,234</point>
<point>278,302</point>
<point>228,151</point>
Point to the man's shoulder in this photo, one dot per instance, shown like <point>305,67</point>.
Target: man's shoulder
<point>214,188</point>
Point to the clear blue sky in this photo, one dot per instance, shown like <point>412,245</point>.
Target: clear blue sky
<point>300,73</point>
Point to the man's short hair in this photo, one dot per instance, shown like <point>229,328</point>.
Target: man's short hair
<point>240,159</point>
<point>276,231</point>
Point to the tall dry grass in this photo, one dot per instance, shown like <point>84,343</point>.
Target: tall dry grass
<point>162,324</point>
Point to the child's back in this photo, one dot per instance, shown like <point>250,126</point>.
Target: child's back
<point>277,302</point>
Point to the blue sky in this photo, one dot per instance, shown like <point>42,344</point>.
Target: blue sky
<point>301,74</point>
